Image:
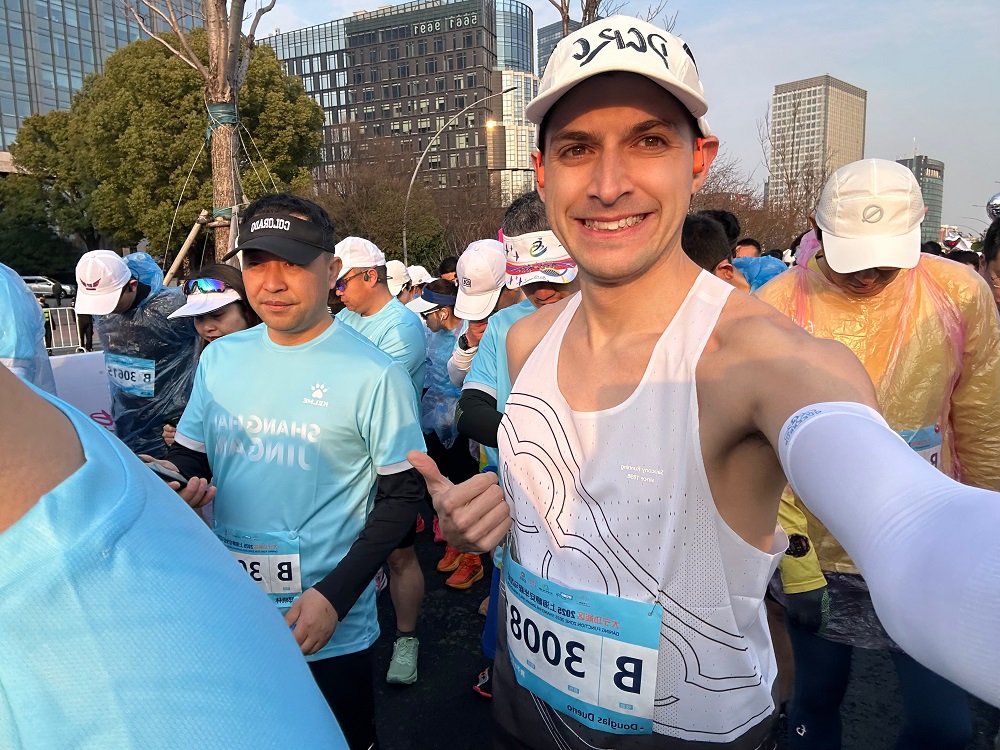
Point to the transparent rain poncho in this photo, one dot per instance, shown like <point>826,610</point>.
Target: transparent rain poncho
<point>437,407</point>
<point>930,343</point>
<point>22,333</point>
<point>150,360</point>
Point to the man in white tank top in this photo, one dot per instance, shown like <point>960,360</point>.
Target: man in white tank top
<point>639,453</point>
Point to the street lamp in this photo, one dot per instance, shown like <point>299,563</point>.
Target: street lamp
<point>413,177</point>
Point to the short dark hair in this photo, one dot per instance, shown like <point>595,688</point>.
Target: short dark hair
<point>524,215</point>
<point>991,242</point>
<point>968,257</point>
<point>276,203</point>
<point>704,241</point>
<point>932,248</point>
<point>730,224</point>
<point>752,242</point>
<point>448,265</point>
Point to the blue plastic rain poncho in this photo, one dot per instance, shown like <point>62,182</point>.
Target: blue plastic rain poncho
<point>22,333</point>
<point>150,360</point>
<point>759,271</point>
<point>437,407</point>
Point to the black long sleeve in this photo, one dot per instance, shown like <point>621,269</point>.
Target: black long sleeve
<point>394,512</point>
<point>190,463</point>
<point>477,417</point>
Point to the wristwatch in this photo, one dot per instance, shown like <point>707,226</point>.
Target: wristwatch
<point>798,546</point>
<point>463,343</point>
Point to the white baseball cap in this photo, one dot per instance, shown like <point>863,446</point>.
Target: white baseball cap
<point>420,275</point>
<point>870,213</point>
<point>481,274</point>
<point>100,277</point>
<point>397,276</point>
<point>622,44</point>
<point>537,256</point>
<point>357,252</point>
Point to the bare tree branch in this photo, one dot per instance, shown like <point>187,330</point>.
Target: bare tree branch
<point>249,44</point>
<point>179,55</point>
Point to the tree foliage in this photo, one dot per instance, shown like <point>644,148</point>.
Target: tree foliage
<point>123,152</point>
<point>27,242</point>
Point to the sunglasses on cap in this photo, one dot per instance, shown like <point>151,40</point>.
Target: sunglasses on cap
<point>205,286</point>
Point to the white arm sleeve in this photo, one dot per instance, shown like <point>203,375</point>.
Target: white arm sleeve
<point>928,546</point>
<point>459,364</point>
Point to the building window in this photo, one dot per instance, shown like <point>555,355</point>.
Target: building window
<point>443,180</point>
<point>434,161</point>
<point>424,106</point>
<point>441,104</point>
<point>470,120</point>
<point>460,102</point>
<point>440,85</point>
<point>422,47</point>
<point>423,124</point>
<point>467,39</point>
<point>403,70</point>
<point>453,161</point>
<point>396,90</point>
<point>470,80</point>
<point>368,94</point>
<point>394,52</point>
<point>439,44</point>
<point>373,55</point>
<point>459,83</point>
<point>430,65</point>
<point>369,113</point>
<point>460,60</point>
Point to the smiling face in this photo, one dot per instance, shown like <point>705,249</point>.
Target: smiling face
<point>289,298</point>
<point>618,174</point>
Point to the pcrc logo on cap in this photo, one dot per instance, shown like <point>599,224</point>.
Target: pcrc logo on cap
<point>467,282</point>
<point>632,39</point>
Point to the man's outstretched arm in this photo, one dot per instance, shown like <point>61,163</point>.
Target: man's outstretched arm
<point>925,544</point>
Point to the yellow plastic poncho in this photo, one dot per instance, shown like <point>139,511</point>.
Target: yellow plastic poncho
<point>931,344</point>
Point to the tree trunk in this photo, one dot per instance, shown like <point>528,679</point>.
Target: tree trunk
<point>225,190</point>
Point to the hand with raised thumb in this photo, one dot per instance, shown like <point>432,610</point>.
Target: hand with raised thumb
<point>474,515</point>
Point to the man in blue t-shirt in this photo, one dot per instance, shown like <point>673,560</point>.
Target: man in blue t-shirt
<point>372,310</point>
<point>125,624</point>
<point>305,427</point>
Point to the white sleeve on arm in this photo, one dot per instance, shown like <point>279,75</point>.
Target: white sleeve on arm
<point>459,364</point>
<point>928,546</point>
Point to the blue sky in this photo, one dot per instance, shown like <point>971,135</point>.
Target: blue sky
<point>929,67</point>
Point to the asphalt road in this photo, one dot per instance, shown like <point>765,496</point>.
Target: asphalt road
<point>441,710</point>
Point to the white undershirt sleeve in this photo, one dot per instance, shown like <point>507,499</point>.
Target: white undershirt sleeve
<point>459,364</point>
<point>928,546</point>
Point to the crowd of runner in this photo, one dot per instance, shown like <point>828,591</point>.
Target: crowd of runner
<point>699,473</point>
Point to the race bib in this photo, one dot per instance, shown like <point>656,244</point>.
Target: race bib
<point>131,374</point>
<point>269,558</point>
<point>590,656</point>
<point>926,442</point>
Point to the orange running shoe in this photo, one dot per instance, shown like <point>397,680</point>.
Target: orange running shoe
<point>467,573</point>
<point>452,557</point>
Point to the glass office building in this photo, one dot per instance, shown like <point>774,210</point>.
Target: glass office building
<point>389,80</point>
<point>515,42</point>
<point>548,37</point>
<point>930,176</point>
<point>47,47</point>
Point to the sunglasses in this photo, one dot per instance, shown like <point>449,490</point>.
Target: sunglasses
<point>426,313</point>
<point>205,286</point>
<point>341,284</point>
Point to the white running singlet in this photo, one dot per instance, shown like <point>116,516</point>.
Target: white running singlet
<point>617,502</point>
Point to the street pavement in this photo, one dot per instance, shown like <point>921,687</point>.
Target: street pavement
<point>441,710</point>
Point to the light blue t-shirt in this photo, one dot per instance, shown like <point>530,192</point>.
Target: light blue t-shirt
<point>125,624</point>
<point>489,372</point>
<point>296,437</point>
<point>396,331</point>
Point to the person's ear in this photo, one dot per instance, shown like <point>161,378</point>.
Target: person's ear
<point>539,164</point>
<point>725,271</point>
<point>706,149</point>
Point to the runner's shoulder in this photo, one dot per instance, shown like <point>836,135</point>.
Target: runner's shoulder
<point>528,332</point>
<point>774,347</point>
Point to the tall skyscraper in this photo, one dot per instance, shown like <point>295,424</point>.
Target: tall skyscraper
<point>548,37</point>
<point>48,46</point>
<point>930,176</point>
<point>817,126</point>
<point>402,73</point>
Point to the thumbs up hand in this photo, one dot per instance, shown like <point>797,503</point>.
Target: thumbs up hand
<point>474,515</point>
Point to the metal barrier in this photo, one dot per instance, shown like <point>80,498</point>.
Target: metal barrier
<point>62,331</point>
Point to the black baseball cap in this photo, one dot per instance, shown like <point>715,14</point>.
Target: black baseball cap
<point>287,236</point>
